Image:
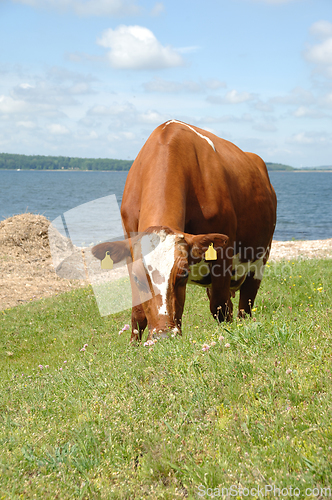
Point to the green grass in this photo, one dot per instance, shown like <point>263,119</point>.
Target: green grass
<point>121,422</point>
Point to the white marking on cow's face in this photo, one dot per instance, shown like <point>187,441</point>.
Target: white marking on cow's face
<point>191,128</point>
<point>158,251</point>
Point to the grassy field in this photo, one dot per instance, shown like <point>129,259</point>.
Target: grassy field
<point>172,421</point>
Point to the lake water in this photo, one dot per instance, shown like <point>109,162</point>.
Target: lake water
<point>304,198</point>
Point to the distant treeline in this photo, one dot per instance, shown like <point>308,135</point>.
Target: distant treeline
<point>24,162</point>
<point>36,162</point>
<point>278,166</point>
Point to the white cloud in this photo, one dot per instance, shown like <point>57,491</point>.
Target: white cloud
<point>81,88</point>
<point>57,129</point>
<point>48,94</point>
<point>87,7</point>
<point>120,136</point>
<point>265,107</point>
<point>275,2</point>
<point>187,50</point>
<point>302,138</point>
<point>235,97</point>
<point>93,135</point>
<point>231,97</point>
<point>9,106</point>
<point>78,57</point>
<point>310,138</point>
<point>169,87</point>
<point>123,115</point>
<point>136,47</point>
<point>327,100</point>
<point>119,116</point>
<point>153,117</point>
<point>158,9</point>
<point>116,109</point>
<point>244,118</point>
<point>321,29</point>
<point>106,8</point>
<point>265,127</point>
<point>215,84</point>
<point>43,92</point>
<point>320,54</point>
<point>305,112</point>
<point>26,124</point>
<point>44,103</point>
<point>62,76</point>
<point>297,96</point>
<point>26,86</point>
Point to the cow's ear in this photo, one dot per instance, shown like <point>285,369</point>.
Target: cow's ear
<point>198,244</point>
<point>118,250</point>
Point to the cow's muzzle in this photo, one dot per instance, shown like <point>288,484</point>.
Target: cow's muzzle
<point>165,333</point>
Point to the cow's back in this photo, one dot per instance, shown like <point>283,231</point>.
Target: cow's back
<point>193,181</point>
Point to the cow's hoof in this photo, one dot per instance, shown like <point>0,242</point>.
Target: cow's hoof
<point>150,343</point>
<point>134,339</point>
<point>176,331</point>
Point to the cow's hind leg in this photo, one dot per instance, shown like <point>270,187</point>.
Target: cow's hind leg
<point>138,323</point>
<point>248,292</point>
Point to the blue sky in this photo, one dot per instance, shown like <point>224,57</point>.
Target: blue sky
<point>93,78</point>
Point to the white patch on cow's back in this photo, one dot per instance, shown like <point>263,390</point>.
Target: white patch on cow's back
<point>197,272</point>
<point>191,128</point>
<point>161,258</point>
<point>241,269</point>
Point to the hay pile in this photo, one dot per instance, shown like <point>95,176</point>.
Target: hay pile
<point>26,268</point>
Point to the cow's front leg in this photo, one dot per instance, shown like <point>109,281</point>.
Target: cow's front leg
<point>138,317</point>
<point>248,292</point>
<point>221,306</point>
<point>138,323</point>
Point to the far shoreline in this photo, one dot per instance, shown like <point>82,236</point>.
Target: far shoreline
<point>297,170</point>
<point>55,170</point>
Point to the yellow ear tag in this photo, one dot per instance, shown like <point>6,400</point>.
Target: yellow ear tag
<point>107,262</point>
<point>211,253</point>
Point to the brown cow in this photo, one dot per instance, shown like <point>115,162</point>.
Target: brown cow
<point>188,189</point>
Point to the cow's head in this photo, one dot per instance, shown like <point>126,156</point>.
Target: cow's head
<point>159,266</point>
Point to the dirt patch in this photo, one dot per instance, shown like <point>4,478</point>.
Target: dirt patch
<point>26,266</point>
<point>308,249</point>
